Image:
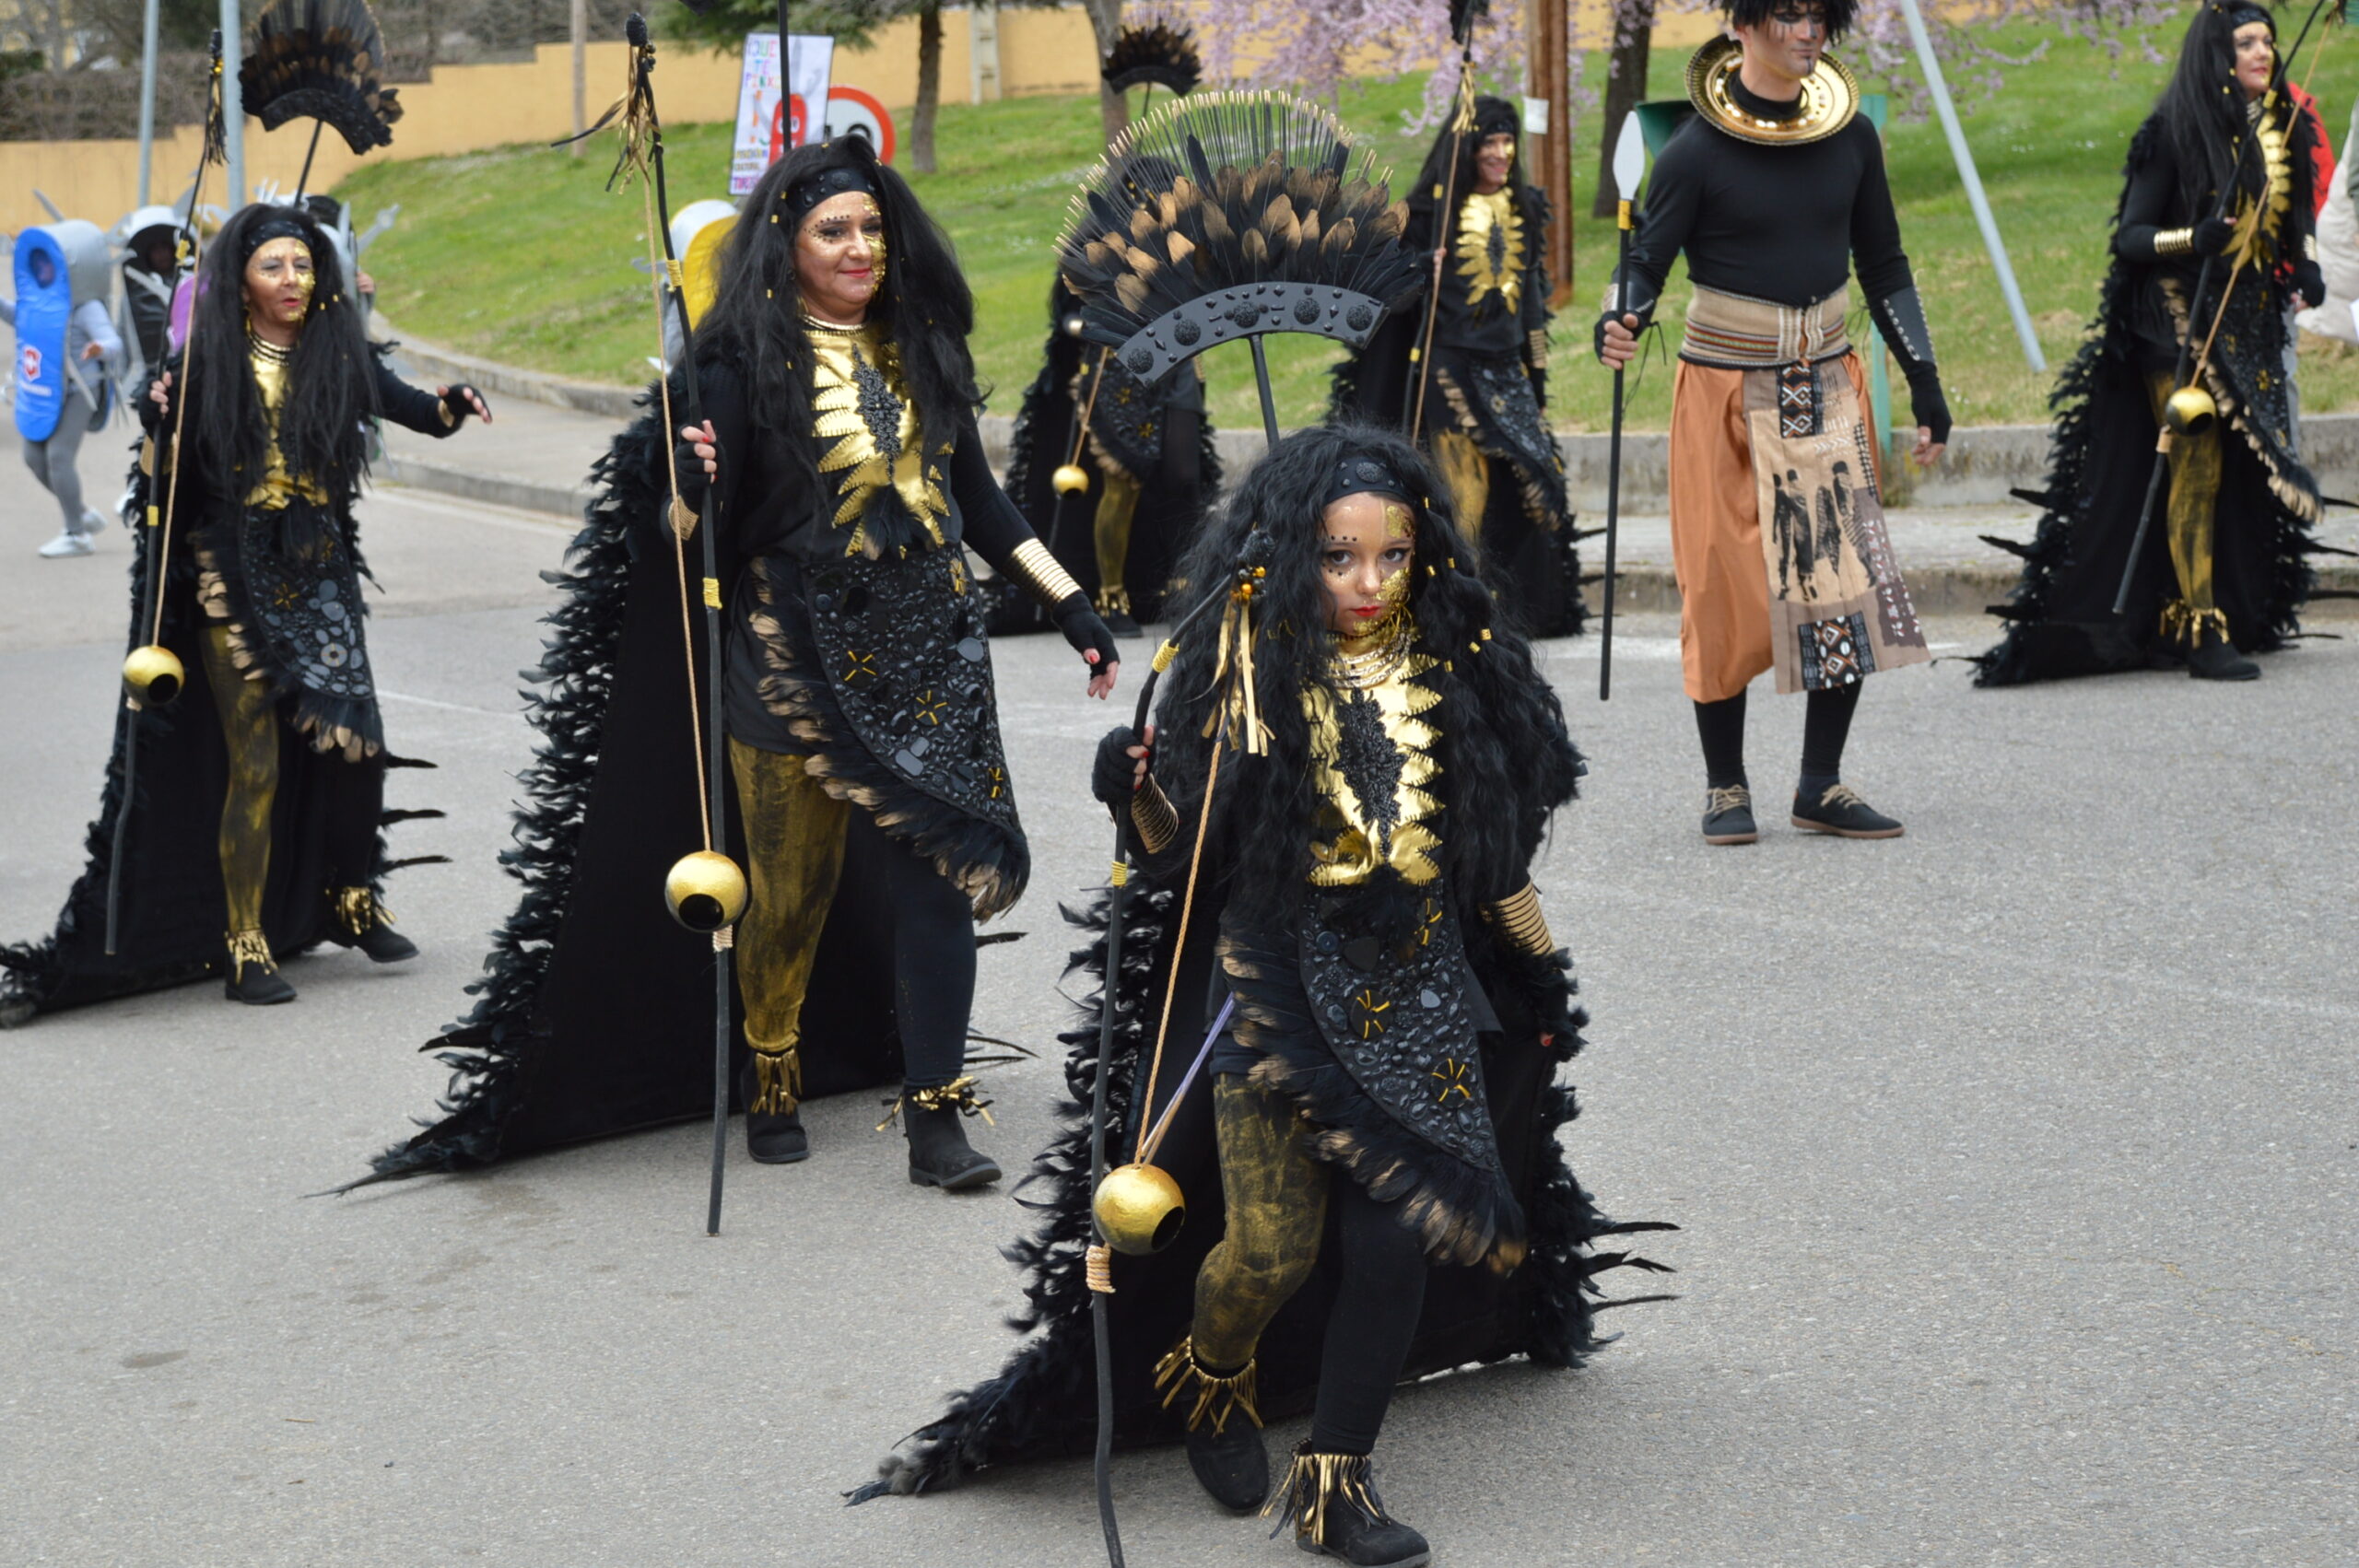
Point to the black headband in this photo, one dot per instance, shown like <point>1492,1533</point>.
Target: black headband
<point>1502,122</point>
<point>805,194</point>
<point>1363,476</point>
<point>278,226</point>
<point>2240,12</point>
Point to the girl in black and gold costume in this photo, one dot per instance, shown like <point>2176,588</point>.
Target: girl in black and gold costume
<point>1366,1141</point>
<point>872,803</point>
<point>260,793</point>
<point>2223,574</point>
<point>1483,415</point>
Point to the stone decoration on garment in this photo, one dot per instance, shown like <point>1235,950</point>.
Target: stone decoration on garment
<point>1490,248</point>
<point>865,409</point>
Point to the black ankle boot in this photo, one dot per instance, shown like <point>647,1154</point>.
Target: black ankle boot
<point>1331,1501</point>
<point>254,977</point>
<point>369,926</point>
<point>772,1137</point>
<point>1223,1437</point>
<point>2213,657</point>
<point>939,1155</point>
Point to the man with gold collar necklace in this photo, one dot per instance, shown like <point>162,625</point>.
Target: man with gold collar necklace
<point>1773,189</point>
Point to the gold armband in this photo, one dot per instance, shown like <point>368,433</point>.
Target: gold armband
<point>1518,920</point>
<point>1040,572</point>
<point>1151,814</point>
<point>2309,247</point>
<point>2174,242</point>
<point>1535,348</point>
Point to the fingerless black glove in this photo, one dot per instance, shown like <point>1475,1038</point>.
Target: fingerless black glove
<point>1543,982</point>
<point>2309,282</point>
<point>1925,399</point>
<point>2212,236</point>
<point>1083,629</point>
<point>1113,776</point>
<point>694,480</point>
<point>455,406</point>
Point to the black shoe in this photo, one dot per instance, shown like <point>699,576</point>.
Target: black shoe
<point>2215,658</point>
<point>939,1152</point>
<point>1232,1464</point>
<point>369,926</point>
<point>1840,810</point>
<point>1728,816</point>
<point>253,978</point>
<point>772,1138</point>
<point>385,945</point>
<point>1331,1501</point>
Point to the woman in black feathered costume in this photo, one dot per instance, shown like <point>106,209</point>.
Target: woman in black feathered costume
<point>261,792</point>
<point>1367,1142</point>
<point>873,811</point>
<point>1485,421</point>
<point>2223,574</point>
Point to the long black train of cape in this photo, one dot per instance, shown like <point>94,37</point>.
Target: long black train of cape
<point>172,905</point>
<point>595,1012</point>
<point>2059,615</point>
<point>1161,529</point>
<point>1043,1403</point>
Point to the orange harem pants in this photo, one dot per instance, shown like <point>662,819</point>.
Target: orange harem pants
<point>1716,528</point>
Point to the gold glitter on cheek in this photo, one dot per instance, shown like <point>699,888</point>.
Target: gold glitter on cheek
<point>1394,590</point>
<point>1398,524</point>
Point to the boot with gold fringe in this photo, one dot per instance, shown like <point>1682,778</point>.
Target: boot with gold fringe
<point>368,925</point>
<point>1224,1439</point>
<point>933,1115</point>
<point>254,977</point>
<point>1331,1501</point>
<point>771,1084</point>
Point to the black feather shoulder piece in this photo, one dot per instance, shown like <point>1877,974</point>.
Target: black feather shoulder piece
<point>320,60</point>
<point>1158,54</point>
<point>1227,215</point>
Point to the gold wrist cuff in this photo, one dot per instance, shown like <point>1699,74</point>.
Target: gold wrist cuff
<point>1152,815</point>
<point>1041,575</point>
<point>1536,349</point>
<point>2174,242</point>
<point>1517,918</point>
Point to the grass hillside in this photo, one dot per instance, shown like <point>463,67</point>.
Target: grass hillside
<point>521,255</point>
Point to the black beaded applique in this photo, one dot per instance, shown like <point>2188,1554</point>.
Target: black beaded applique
<point>304,604</point>
<point>1370,764</point>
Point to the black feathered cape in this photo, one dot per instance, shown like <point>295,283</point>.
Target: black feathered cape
<point>171,903</point>
<point>2059,617</point>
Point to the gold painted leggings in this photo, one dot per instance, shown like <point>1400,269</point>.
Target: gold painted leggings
<point>250,729</point>
<point>1468,474</point>
<point>1118,503</point>
<point>1277,1191</point>
<point>2193,515</point>
<point>795,833</point>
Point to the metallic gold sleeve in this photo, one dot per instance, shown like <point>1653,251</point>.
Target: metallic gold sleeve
<point>1037,571</point>
<point>2174,242</point>
<point>1535,351</point>
<point>1517,918</point>
<point>1152,815</point>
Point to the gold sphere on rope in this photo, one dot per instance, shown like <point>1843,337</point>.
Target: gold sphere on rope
<point>1139,1209</point>
<point>2189,411</point>
<point>153,675</point>
<point>1068,478</point>
<point>705,891</point>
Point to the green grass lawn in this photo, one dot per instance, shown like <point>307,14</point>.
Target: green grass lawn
<point>521,255</point>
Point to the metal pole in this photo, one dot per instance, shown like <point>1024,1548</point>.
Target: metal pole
<point>577,21</point>
<point>233,107</point>
<point>148,102</point>
<point>1964,157</point>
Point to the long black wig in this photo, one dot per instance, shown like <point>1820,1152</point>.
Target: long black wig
<point>1491,115</point>
<point>2203,110</point>
<point>922,302</point>
<point>331,388</point>
<point>1509,762</point>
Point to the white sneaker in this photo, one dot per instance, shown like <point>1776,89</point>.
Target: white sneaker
<point>92,522</point>
<point>68,543</point>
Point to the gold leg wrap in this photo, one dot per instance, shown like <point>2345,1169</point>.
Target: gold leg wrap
<point>1314,1482</point>
<point>2182,622</point>
<point>1118,503</point>
<point>250,730</point>
<point>1468,474</point>
<point>250,949</point>
<point>357,910</point>
<point>794,847</point>
<point>2193,508</point>
<point>1181,1373</point>
<point>1276,1195</point>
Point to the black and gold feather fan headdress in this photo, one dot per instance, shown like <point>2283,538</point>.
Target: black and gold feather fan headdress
<point>1226,215</point>
<point>1157,55</point>
<point>320,60</point>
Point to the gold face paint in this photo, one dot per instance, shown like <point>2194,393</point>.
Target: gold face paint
<point>1398,524</point>
<point>279,280</point>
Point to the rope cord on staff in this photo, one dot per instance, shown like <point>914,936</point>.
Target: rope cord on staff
<point>1150,1140</point>
<point>1089,408</point>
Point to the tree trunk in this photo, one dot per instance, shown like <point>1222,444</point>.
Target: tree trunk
<point>1625,87</point>
<point>1113,108</point>
<point>929,87</point>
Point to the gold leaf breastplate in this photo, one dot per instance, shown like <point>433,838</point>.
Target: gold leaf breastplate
<point>277,486</point>
<point>1372,763</point>
<point>864,407</point>
<point>1490,248</point>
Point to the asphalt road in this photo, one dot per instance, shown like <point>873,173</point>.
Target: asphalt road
<point>2015,1159</point>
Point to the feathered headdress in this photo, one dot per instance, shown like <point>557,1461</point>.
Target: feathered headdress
<point>1226,215</point>
<point>1160,54</point>
<point>1462,15</point>
<point>320,60</point>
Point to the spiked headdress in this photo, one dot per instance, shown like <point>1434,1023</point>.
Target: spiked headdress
<point>1160,54</point>
<point>320,60</point>
<point>1225,216</point>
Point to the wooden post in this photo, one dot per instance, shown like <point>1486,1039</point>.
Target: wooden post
<point>1549,159</point>
<point>578,24</point>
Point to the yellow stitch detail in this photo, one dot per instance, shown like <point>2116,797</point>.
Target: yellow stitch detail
<point>712,594</point>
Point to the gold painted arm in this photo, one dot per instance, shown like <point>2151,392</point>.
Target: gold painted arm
<point>1518,920</point>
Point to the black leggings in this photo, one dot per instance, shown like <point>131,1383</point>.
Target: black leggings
<point>1826,724</point>
<point>934,959</point>
<point>1369,1329</point>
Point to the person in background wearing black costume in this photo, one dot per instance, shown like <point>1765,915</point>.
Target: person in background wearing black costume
<point>1485,403</point>
<point>1773,188</point>
<point>266,780</point>
<point>2223,575</point>
<point>1145,474</point>
<point>1387,1011</point>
